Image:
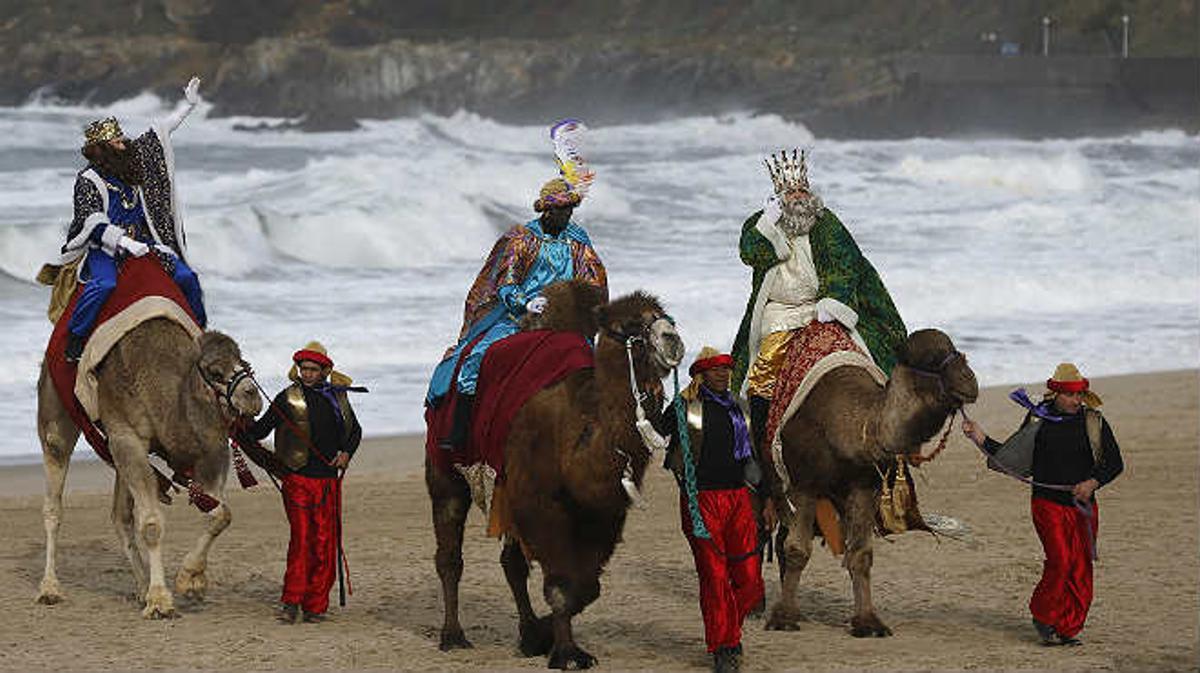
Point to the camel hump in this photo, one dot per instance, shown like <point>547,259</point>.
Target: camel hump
<point>570,307</point>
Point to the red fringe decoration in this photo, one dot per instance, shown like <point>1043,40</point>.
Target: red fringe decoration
<point>244,475</point>
<point>203,501</point>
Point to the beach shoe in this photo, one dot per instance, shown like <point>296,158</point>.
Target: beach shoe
<point>314,617</point>
<point>728,659</point>
<point>289,613</point>
<point>1046,633</point>
<point>1068,641</point>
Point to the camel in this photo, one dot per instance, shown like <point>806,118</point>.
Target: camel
<point>564,460</point>
<point>847,427</point>
<point>162,392</point>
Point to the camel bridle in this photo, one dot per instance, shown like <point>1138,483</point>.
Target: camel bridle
<point>223,390</point>
<point>936,373</point>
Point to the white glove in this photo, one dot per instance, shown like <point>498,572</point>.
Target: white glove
<point>772,210</point>
<point>824,316</point>
<point>191,92</point>
<point>536,305</point>
<point>165,249</point>
<point>110,238</point>
<point>133,247</point>
<point>650,437</point>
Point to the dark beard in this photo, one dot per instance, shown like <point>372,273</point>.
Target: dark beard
<point>120,164</point>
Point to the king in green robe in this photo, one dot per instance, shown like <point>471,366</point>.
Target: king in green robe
<point>848,288</point>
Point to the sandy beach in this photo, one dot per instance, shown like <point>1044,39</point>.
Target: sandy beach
<point>953,604</point>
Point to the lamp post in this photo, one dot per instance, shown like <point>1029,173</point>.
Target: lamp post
<point>1124,36</point>
<point>1045,36</point>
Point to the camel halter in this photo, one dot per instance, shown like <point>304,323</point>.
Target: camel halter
<point>240,374</point>
<point>650,437</point>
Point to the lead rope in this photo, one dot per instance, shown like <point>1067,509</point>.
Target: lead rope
<point>699,530</point>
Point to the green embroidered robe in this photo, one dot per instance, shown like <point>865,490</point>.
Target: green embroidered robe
<point>844,275</point>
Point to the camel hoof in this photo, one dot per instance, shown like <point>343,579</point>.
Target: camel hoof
<point>192,585</point>
<point>783,619</point>
<point>537,637</point>
<point>49,593</point>
<point>159,604</point>
<point>868,627</point>
<point>570,658</point>
<point>454,640</point>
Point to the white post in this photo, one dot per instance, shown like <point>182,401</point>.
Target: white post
<point>1045,36</point>
<point>1124,36</point>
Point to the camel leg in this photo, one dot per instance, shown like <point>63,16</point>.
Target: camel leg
<point>122,518</point>
<point>58,434</point>
<point>129,453</point>
<point>191,581</point>
<point>568,597</point>
<point>451,498</point>
<point>793,554</point>
<point>859,525</point>
<point>536,635</point>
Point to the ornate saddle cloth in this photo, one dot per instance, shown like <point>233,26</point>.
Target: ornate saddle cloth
<point>814,351</point>
<point>143,292</point>
<point>514,369</point>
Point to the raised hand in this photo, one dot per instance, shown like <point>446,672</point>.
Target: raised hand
<point>191,92</point>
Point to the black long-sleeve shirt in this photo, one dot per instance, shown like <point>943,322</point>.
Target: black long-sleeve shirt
<point>716,468</point>
<point>1063,455</point>
<point>323,427</point>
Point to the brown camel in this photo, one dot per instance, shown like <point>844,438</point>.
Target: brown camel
<point>160,392</point>
<point>564,460</point>
<point>847,427</point>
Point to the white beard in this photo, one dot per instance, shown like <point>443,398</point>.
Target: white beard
<point>800,217</point>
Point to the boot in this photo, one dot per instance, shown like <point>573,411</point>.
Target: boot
<point>760,408</point>
<point>728,659</point>
<point>461,428</point>
<point>75,344</point>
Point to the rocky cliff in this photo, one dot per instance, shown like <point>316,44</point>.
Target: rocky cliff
<point>838,66</point>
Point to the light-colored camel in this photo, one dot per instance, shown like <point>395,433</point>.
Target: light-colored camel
<point>564,460</point>
<point>847,427</point>
<point>160,392</point>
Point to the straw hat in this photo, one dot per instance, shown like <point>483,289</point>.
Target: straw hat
<point>1067,379</point>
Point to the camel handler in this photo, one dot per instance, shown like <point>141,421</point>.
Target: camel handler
<point>125,206</point>
<point>806,266</point>
<point>1069,450</point>
<point>715,477</point>
<point>316,434</point>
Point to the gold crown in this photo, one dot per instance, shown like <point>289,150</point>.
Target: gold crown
<point>102,131</point>
<point>788,173</point>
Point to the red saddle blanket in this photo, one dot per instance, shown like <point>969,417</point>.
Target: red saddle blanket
<point>514,369</point>
<point>139,278</point>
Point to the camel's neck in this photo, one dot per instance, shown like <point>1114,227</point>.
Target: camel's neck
<point>613,441</point>
<point>200,410</point>
<point>913,411</point>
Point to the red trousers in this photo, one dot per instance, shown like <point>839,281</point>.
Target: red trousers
<point>1064,594</point>
<point>312,510</point>
<point>730,581</point>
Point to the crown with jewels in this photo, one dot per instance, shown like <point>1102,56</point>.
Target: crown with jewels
<point>788,173</point>
<point>102,131</point>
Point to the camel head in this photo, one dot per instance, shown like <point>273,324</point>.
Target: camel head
<point>639,320</point>
<point>224,371</point>
<point>931,356</point>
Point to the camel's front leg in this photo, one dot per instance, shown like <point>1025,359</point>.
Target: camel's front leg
<point>536,635</point>
<point>192,582</point>
<point>793,556</point>
<point>58,435</point>
<point>129,453</point>
<point>568,597</point>
<point>859,524</point>
<point>451,499</point>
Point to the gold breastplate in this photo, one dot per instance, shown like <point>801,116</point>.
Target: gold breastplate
<point>290,449</point>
